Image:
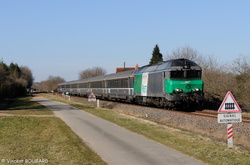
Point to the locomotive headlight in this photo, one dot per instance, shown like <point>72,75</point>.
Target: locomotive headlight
<point>178,90</point>
<point>196,89</point>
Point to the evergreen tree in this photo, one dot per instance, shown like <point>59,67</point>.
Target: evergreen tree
<point>156,55</point>
<point>14,70</point>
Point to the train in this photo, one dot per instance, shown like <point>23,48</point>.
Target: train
<point>176,82</point>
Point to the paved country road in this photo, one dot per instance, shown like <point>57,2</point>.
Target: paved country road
<point>116,145</point>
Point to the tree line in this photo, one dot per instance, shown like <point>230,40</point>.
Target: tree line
<point>49,85</point>
<point>15,81</point>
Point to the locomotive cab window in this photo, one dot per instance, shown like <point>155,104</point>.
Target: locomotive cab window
<point>194,74</point>
<point>177,74</point>
<point>183,74</point>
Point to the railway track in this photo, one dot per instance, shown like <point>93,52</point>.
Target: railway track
<point>213,114</point>
<point>204,113</point>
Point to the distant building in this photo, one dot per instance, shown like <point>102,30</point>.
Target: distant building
<point>125,68</point>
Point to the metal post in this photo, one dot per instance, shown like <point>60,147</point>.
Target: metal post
<point>97,103</point>
<point>230,136</point>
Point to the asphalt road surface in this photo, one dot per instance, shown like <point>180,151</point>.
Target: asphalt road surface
<point>116,145</point>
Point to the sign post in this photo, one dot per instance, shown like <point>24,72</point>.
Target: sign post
<point>230,136</point>
<point>230,112</point>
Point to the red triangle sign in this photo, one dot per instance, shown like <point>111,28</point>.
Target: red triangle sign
<point>229,104</point>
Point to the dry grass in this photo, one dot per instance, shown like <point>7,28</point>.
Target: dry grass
<point>43,138</point>
<point>25,106</point>
<point>26,138</point>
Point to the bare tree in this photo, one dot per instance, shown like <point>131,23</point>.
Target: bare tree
<point>50,84</point>
<point>241,69</point>
<point>27,75</point>
<point>185,52</point>
<point>92,72</point>
<point>241,65</point>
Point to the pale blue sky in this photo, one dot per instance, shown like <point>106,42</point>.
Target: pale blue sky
<point>64,37</point>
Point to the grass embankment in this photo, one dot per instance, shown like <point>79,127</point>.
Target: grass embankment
<point>26,139</point>
<point>202,148</point>
<point>25,106</point>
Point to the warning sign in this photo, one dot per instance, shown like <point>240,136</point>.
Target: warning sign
<point>229,104</point>
<point>92,97</point>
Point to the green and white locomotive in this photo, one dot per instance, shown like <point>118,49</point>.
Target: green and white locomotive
<point>166,84</point>
<point>169,83</point>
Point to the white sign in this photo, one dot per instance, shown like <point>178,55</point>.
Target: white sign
<point>230,118</point>
<point>144,84</point>
<point>91,97</point>
<point>229,104</point>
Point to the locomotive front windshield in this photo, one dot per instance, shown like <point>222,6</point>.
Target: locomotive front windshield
<point>185,74</point>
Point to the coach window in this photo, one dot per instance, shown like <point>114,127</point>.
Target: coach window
<point>121,83</point>
<point>74,85</point>
<point>80,85</point>
<point>131,83</point>
<point>99,84</point>
<point>116,83</point>
<point>108,86</point>
<point>126,83</point>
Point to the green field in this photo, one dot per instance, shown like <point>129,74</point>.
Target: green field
<point>26,139</point>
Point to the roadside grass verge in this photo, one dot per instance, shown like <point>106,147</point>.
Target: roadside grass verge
<point>25,106</point>
<point>50,139</point>
<point>197,146</point>
<point>24,103</point>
